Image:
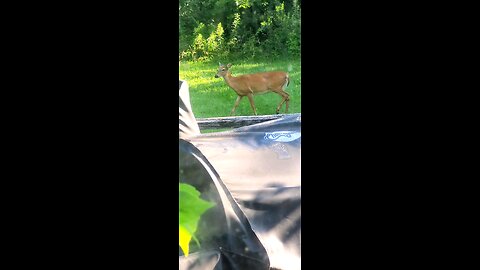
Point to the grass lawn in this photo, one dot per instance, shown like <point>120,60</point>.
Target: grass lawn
<point>212,97</point>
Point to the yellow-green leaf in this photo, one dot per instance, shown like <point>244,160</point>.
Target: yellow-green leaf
<point>191,208</point>
<point>184,240</point>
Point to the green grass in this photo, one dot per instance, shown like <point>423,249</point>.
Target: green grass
<point>212,97</point>
<point>212,130</point>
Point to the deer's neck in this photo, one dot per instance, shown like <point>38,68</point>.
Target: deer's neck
<point>229,79</point>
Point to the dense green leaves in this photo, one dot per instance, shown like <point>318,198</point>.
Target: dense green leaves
<point>249,28</point>
<point>191,208</point>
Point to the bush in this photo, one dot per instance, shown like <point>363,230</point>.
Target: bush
<point>254,28</point>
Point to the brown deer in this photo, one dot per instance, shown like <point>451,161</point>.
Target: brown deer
<point>256,83</point>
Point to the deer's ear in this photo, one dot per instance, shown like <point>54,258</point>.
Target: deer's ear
<point>229,65</point>
<point>219,64</point>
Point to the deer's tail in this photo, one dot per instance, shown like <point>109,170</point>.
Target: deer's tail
<point>287,81</point>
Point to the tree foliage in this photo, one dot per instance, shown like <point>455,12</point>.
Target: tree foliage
<point>217,29</point>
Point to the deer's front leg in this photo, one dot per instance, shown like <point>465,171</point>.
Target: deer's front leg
<point>236,105</point>
<point>252,104</point>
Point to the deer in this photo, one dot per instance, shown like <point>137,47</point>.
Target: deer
<point>254,84</point>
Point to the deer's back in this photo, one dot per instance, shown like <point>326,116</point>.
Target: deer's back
<point>261,81</point>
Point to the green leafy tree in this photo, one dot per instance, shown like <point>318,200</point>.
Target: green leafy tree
<point>268,28</point>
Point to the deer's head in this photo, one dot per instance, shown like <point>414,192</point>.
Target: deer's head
<point>222,70</point>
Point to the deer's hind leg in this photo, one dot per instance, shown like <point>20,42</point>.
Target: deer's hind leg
<point>285,99</point>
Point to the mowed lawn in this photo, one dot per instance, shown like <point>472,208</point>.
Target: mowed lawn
<point>212,97</point>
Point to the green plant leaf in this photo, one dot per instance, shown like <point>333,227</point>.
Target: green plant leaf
<point>184,239</point>
<point>191,208</point>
